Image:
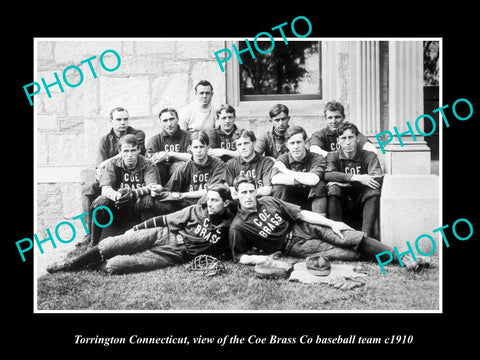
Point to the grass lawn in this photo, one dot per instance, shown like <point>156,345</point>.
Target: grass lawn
<point>176,288</point>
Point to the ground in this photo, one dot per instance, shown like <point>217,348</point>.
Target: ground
<point>176,288</point>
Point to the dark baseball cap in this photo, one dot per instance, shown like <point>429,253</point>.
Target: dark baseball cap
<point>318,265</point>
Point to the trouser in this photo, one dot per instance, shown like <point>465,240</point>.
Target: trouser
<point>142,250</point>
<point>307,239</point>
<point>90,191</point>
<point>166,170</point>
<point>138,211</point>
<point>357,205</point>
<point>308,197</point>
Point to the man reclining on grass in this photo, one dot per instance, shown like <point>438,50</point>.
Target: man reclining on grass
<point>164,240</point>
<point>269,225</point>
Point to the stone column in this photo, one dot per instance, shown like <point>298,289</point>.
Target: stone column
<point>365,99</point>
<point>405,101</point>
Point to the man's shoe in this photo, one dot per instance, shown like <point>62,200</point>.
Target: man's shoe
<point>59,266</point>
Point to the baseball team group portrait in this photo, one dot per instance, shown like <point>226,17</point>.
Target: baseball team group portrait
<point>257,188</point>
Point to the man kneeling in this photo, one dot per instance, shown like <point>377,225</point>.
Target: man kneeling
<point>164,240</point>
<point>268,224</point>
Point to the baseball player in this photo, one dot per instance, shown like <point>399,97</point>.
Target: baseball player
<point>189,182</point>
<point>107,150</point>
<point>249,162</point>
<point>326,139</point>
<point>200,115</point>
<point>222,144</point>
<point>298,175</point>
<point>125,185</point>
<point>266,225</point>
<point>164,240</point>
<point>273,142</point>
<point>354,178</point>
<point>169,148</point>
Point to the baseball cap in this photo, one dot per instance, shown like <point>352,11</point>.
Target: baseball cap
<point>318,265</point>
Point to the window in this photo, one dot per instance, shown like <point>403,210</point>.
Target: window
<point>289,72</point>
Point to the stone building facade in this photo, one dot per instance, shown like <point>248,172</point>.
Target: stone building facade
<point>380,83</point>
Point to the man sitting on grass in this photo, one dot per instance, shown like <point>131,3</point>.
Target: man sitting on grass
<point>268,225</point>
<point>164,240</point>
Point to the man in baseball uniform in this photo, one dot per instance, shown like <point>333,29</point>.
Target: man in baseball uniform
<point>125,185</point>
<point>108,150</point>
<point>222,143</point>
<point>188,184</point>
<point>273,142</point>
<point>354,179</point>
<point>169,148</point>
<point>265,225</point>
<point>326,139</point>
<point>250,163</point>
<point>162,241</point>
<point>298,175</point>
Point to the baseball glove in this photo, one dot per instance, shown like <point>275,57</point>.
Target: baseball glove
<point>128,196</point>
<point>206,265</point>
<point>273,268</point>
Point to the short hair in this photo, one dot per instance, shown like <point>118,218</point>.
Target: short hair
<point>346,125</point>
<point>168,109</point>
<point>200,136</point>
<point>277,109</point>
<point>204,83</point>
<point>222,190</point>
<point>243,179</point>
<point>244,133</point>
<point>228,109</point>
<point>294,131</point>
<point>127,139</point>
<point>118,108</point>
<point>334,106</point>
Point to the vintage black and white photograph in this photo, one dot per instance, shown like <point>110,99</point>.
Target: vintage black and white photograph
<point>257,174</point>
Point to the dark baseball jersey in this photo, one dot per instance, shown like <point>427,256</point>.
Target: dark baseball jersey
<point>266,229</point>
<point>340,169</point>
<point>312,162</point>
<point>220,140</point>
<point>117,175</point>
<point>108,146</point>
<point>192,177</point>
<point>270,144</point>
<point>179,142</point>
<point>327,140</point>
<point>259,168</point>
<point>200,232</point>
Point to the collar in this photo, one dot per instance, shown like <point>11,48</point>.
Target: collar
<point>219,129</point>
<point>223,223</point>
<point>176,134</point>
<point>253,161</point>
<point>141,164</point>
<point>357,155</point>
<point>291,160</point>
<point>128,131</point>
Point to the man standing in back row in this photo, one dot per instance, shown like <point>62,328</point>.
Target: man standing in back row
<point>199,115</point>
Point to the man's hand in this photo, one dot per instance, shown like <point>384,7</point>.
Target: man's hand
<point>338,227</point>
<point>366,180</point>
<point>338,184</point>
<point>280,166</point>
<point>216,152</point>
<point>158,157</point>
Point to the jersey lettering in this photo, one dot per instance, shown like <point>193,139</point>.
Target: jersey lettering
<point>267,223</point>
<point>208,235</point>
<point>172,147</point>
<point>353,170</point>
